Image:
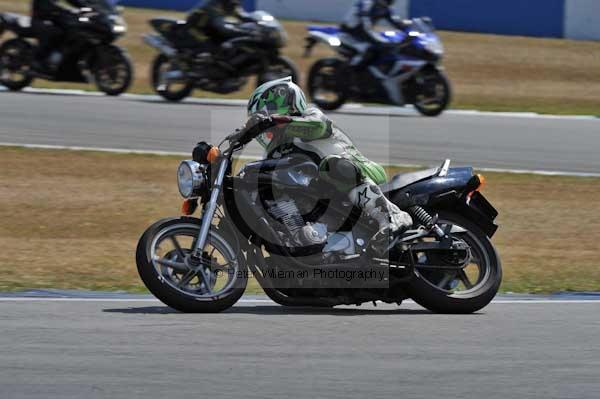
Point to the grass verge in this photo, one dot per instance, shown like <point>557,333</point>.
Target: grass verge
<point>71,220</point>
<point>488,72</point>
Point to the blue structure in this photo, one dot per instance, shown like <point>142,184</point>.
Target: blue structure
<point>542,18</point>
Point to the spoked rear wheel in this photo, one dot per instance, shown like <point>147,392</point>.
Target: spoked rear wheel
<point>213,284</point>
<point>466,290</point>
<point>324,84</point>
<point>16,56</point>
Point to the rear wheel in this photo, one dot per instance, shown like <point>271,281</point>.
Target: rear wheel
<point>433,92</point>
<point>112,70</point>
<point>169,89</point>
<point>325,85</point>
<point>213,285</point>
<point>280,67</point>
<point>16,56</point>
<point>468,289</point>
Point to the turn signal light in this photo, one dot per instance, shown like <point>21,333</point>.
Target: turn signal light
<point>482,182</point>
<point>213,154</point>
<point>189,207</point>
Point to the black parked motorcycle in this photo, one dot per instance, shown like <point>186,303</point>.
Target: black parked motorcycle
<point>271,219</point>
<point>184,64</point>
<point>86,54</point>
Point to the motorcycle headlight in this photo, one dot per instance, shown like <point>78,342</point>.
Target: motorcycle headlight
<point>191,179</point>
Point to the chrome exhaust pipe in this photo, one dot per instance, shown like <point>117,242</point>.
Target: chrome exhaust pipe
<point>160,44</point>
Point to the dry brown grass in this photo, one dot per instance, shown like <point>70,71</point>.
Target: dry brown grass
<point>488,71</point>
<point>72,220</point>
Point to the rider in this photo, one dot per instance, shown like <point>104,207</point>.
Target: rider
<point>48,19</point>
<point>340,163</point>
<point>361,21</point>
<point>217,21</point>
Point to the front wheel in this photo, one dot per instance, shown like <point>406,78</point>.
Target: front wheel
<point>16,56</point>
<point>167,88</point>
<point>280,67</point>
<point>466,290</point>
<point>325,84</point>
<point>211,284</point>
<point>112,70</point>
<point>433,92</point>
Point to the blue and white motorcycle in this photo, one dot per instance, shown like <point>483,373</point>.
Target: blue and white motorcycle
<point>409,73</point>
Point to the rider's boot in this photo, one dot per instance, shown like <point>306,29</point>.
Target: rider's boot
<point>390,219</point>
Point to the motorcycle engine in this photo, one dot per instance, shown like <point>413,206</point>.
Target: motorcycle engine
<point>299,232</point>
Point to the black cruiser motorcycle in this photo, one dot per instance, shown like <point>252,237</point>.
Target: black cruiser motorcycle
<point>271,219</point>
<point>183,66</point>
<point>86,54</point>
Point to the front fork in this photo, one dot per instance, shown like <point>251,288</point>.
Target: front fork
<point>210,209</point>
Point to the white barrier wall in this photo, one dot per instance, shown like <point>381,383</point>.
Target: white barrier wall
<point>317,10</point>
<point>582,19</point>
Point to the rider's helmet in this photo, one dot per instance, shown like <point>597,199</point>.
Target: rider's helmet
<point>278,97</point>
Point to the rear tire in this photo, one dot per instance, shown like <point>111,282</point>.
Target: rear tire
<point>324,75</point>
<point>166,91</point>
<point>437,300</point>
<point>112,70</point>
<point>163,286</point>
<point>16,56</point>
<point>281,67</point>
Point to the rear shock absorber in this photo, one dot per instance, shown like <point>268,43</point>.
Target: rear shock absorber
<point>419,214</point>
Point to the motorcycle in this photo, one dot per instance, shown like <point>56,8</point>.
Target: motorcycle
<point>86,55</point>
<point>271,219</point>
<point>185,64</point>
<point>409,73</point>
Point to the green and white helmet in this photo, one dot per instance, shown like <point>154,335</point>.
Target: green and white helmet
<point>281,97</point>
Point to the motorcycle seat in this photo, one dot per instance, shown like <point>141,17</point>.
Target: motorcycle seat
<point>406,179</point>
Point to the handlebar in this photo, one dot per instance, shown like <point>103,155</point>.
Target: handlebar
<point>243,136</point>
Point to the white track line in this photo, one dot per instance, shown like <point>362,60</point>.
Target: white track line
<point>185,154</point>
<point>268,301</point>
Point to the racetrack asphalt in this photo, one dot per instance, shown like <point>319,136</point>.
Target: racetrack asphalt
<point>135,348</point>
<point>522,142</point>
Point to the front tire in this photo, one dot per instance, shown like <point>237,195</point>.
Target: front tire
<point>325,87</point>
<point>161,264</point>
<point>112,70</point>
<point>433,289</point>
<point>433,92</point>
<point>169,91</point>
<point>16,56</point>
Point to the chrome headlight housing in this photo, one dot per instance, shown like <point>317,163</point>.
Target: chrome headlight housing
<point>191,179</point>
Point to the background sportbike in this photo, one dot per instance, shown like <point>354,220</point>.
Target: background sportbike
<point>87,53</point>
<point>407,73</point>
<point>275,218</point>
<point>184,64</point>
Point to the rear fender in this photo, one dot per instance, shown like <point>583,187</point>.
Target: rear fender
<point>450,192</point>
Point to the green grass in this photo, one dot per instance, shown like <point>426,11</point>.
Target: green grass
<point>76,227</point>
